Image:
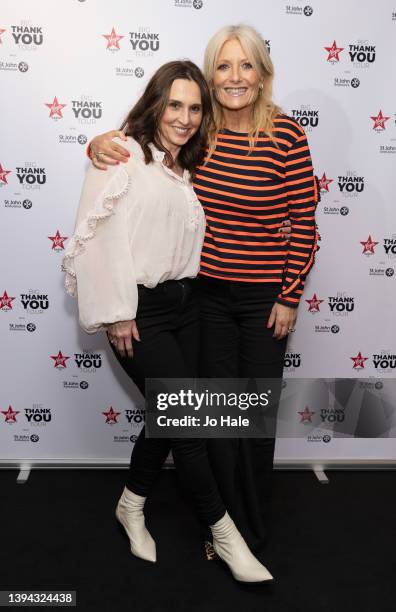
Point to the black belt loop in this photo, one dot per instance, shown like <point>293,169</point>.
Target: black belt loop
<point>163,287</point>
<point>182,284</point>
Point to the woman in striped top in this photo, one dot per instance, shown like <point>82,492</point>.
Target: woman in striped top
<point>256,174</point>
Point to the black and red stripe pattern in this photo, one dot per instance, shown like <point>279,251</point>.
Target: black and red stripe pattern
<point>247,194</point>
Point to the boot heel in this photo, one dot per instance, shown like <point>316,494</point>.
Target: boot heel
<point>233,550</point>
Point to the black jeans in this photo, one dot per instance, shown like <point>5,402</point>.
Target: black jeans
<point>168,323</point>
<point>235,342</point>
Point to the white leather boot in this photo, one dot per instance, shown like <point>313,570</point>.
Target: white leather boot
<point>233,550</point>
<point>129,512</point>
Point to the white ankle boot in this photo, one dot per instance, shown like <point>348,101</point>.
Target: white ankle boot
<point>233,550</point>
<point>129,512</point>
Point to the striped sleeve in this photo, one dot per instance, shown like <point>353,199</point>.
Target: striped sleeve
<point>302,197</point>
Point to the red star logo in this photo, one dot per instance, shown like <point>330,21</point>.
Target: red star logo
<point>379,121</point>
<point>5,301</point>
<point>324,183</point>
<point>57,241</point>
<point>60,360</point>
<point>314,304</point>
<point>113,40</point>
<point>10,415</point>
<point>3,175</point>
<point>306,415</point>
<point>334,52</point>
<point>1,32</point>
<point>55,108</point>
<point>111,416</point>
<point>358,361</point>
<point>368,246</point>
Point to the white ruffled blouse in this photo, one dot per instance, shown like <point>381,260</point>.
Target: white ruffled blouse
<point>136,224</point>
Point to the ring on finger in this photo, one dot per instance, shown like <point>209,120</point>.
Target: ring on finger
<point>292,329</point>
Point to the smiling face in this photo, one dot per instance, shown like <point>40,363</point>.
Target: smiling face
<point>235,80</point>
<point>182,116</point>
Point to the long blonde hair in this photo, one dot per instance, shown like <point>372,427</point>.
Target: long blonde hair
<point>264,110</point>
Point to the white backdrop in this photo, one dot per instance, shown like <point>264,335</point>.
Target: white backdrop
<point>71,69</point>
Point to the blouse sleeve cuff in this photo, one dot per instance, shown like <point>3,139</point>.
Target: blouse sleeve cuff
<point>92,327</point>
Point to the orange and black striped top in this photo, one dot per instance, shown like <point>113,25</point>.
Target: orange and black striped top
<point>246,197</point>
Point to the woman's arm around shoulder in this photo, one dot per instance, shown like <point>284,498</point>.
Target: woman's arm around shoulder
<point>108,149</point>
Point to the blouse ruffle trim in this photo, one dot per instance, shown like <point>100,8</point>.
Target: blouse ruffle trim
<point>194,206</point>
<point>86,230</point>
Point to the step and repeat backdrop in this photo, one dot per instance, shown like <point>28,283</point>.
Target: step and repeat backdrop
<point>72,69</point>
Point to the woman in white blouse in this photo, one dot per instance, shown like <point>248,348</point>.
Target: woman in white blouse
<point>131,264</point>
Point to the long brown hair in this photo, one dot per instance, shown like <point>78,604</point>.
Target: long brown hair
<point>142,122</point>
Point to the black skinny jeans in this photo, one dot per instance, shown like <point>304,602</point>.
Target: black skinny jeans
<point>236,343</point>
<point>168,323</point>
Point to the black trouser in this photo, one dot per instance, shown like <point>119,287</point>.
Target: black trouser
<point>168,323</point>
<point>235,342</point>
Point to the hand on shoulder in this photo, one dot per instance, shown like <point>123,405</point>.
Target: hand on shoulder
<point>109,149</point>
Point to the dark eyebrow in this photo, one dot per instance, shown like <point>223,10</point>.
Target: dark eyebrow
<point>178,102</point>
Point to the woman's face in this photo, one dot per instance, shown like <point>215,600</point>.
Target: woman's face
<point>183,114</point>
<point>235,81</point>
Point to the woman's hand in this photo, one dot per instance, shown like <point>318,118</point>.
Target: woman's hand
<point>104,151</point>
<point>120,335</point>
<point>284,319</point>
<point>286,229</point>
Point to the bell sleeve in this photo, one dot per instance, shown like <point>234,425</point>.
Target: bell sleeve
<point>98,261</point>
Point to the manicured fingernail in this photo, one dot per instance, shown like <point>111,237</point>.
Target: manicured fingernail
<point>117,162</point>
